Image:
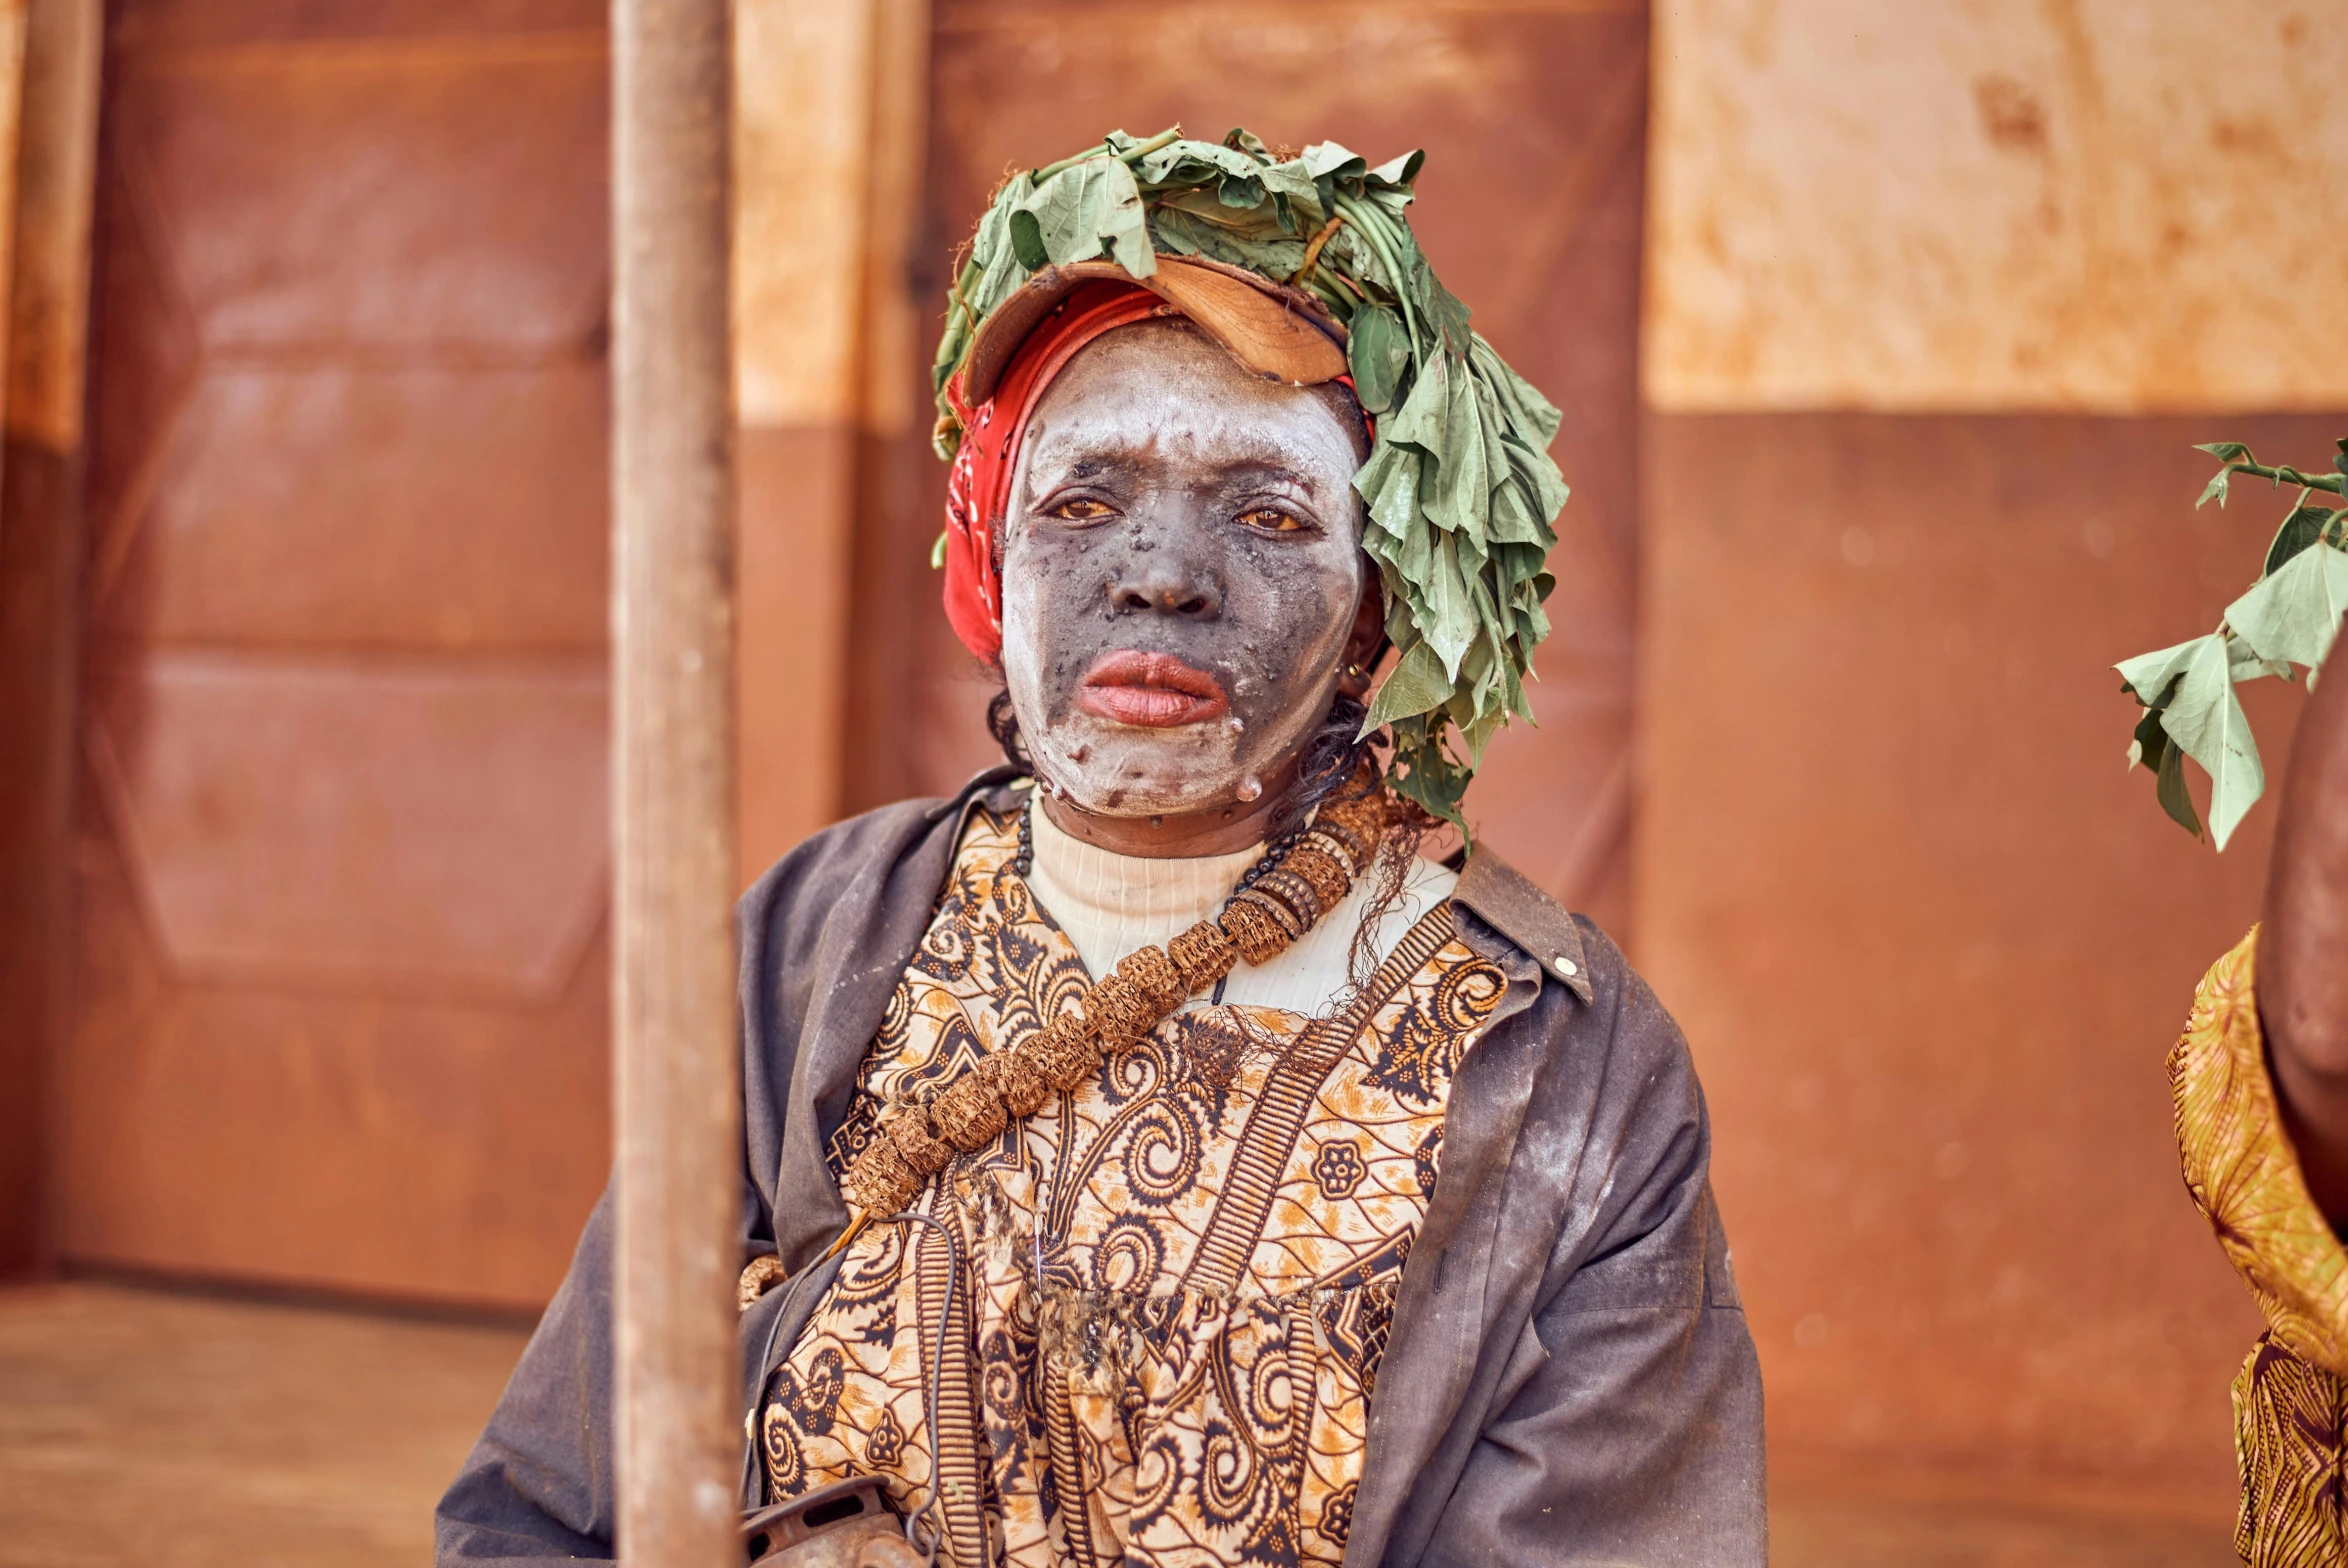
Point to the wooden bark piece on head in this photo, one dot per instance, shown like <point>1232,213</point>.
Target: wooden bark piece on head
<point>1281,334</point>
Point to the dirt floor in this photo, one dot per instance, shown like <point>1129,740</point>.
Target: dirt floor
<point>186,1430</point>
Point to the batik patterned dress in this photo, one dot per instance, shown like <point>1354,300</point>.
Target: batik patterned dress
<point>1175,1283</point>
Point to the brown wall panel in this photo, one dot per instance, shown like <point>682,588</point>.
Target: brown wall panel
<point>457,511</point>
<point>157,23</point>
<point>366,1138</point>
<point>1929,939</point>
<point>1533,119</point>
<point>790,487</point>
<point>342,829</point>
<point>40,542</point>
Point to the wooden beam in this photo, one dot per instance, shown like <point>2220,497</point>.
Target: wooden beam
<point>830,151</point>
<point>677,1073</point>
<point>52,151</point>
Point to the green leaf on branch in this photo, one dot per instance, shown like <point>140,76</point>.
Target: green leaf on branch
<point>2224,451</point>
<point>2206,719</point>
<point>2302,528</point>
<point>2168,787</point>
<point>2292,616</point>
<point>2149,744</point>
<point>2216,487</point>
<point>2152,677</point>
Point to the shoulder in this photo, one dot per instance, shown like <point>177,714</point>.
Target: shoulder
<point>1511,907</point>
<point>1595,1008</point>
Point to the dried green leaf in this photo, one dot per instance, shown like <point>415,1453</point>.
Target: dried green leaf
<point>2149,677</point>
<point>2206,719</point>
<point>1378,352</point>
<point>1088,209</point>
<point>2292,616</point>
<point>2168,786</point>
<point>2302,528</point>
<point>1415,684</point>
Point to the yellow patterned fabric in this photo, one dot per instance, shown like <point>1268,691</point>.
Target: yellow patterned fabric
<point>1175,1282</point>
<point>2290,1397</point>
<point>2288,1442</point>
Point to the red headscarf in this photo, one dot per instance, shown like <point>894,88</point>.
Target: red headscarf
<point>979,490</point>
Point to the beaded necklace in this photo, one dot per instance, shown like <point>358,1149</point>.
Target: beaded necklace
<point>1300,879</point>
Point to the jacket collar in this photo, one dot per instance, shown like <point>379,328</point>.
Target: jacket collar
<point>1507,901</point>
<point>1504,897</point>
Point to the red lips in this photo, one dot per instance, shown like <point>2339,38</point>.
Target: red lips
<point>1152,690</point>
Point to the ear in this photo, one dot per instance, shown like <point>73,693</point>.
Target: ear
<point>1367,642</point>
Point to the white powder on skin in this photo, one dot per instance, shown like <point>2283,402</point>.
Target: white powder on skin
<point>1177,440</point>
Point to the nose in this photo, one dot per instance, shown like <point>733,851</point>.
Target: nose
<point>1169,580</point>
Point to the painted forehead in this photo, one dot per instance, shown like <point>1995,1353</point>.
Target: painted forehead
<point>1165,390</point>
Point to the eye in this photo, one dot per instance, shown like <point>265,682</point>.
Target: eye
<point>1273,520</point>
<point>1081,509</point>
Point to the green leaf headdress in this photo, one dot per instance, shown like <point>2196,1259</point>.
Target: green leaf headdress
<point>1459,487</point>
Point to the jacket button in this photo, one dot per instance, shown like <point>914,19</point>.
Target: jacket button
<point>1565,966</point>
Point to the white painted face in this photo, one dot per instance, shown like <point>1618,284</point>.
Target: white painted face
<point>1182,563</point>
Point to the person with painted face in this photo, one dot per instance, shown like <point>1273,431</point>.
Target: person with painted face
<point>1152,1156</point>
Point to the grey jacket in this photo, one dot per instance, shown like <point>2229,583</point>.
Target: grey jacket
<point>1569,1378</point>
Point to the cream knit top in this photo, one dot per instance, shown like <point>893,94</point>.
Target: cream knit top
<point>1110,904</point>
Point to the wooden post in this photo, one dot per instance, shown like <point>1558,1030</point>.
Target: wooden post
<point>54,169</point>
<point>677,1071</point>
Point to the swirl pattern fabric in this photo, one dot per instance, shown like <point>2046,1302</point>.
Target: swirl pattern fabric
<point>1112,1393</point>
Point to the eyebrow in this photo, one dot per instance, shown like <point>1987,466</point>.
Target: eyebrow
<point>1098,462</point>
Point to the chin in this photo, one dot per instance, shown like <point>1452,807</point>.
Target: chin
<point>1128,772</point>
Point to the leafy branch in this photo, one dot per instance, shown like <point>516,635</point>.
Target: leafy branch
<point>2289,617</point>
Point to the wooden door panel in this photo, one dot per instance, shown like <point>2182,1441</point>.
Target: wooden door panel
<point>391,829</point>
<point>402,193</point>
<point>323,1135</point>
<point>343,852</point>
<point>412,507</point>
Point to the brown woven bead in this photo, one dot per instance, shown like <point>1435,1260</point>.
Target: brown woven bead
<point>1065,1052</point>
<point>922,1150</point>
<point>1295,893</point>
<point>1203,954</point>
<point>879,1181</point>
<point>1347,850</point>
<point>1121,1011</point>
<point>1323,872</point>
<point>1154,975</point>
<point>1022,1086</point>
<point>761,1276</point>
<point>1252,928</point>
<point>969,1115</point>
<point>1362,815</point>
